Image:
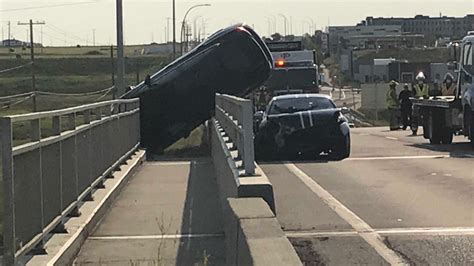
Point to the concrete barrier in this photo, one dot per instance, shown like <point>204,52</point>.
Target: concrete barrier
<point>254,236</point>
<point>230,179</point>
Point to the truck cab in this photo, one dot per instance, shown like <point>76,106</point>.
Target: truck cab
<point>466,84</point>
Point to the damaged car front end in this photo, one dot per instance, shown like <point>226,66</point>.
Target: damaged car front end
<point>302,124</point>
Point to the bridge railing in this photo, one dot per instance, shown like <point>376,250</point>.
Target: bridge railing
<point>235,116</point>
<point>67,155</point>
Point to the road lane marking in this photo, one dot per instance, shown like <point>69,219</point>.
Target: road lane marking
<point>392,138</point>
<point>428,231</point>
<point>363,229</point>
<point>175,163</point>
<point>388,231</point>
<point>438,156</point>
<point>150,237</point>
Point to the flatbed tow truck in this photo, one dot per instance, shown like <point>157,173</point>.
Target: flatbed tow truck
<point>444,116</point>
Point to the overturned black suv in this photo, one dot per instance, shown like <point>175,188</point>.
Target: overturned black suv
<point>302,124</point>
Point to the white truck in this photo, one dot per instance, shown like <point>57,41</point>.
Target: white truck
<point>444,116</point>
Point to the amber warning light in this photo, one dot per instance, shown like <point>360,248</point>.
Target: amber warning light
<point>280,63</point>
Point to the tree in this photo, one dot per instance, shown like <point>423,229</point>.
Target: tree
<point>276,36</point>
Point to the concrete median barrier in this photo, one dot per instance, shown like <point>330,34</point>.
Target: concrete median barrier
<point>254,236</point>
<point>229,177</point>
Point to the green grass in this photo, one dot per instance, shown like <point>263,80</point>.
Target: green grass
<point>192,146</point>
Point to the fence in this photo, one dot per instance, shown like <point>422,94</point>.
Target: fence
<point>47,178</point>
<point>235,116</point>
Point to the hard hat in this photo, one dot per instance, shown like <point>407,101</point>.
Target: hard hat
<point>393,83</point>
<point>420,76</point>
<point>405,85</point>
<point>448,76</point>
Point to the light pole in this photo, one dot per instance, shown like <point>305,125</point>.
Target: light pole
<point>184,21</point>
<point>120,82</point>
<point>195,27</point>
<point>309,25</point>
<point>174,30</point>
<point>285,20</point>
<point>312,25</point>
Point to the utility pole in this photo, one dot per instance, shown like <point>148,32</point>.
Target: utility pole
<point>9,36</point>
<point>113,71</point>
<point>167,29</point>
<point>93,37</point>
<point>174,30</point>
<point>120,84</point>
<point>41,29</point>
<point>32,54</point>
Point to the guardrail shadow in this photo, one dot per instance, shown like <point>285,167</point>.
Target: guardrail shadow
<point>202,219</point>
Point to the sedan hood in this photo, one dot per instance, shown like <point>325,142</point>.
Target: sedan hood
<point>306,119</point>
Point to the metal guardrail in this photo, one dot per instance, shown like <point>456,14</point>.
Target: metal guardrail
<point>235,116</point>
<point>47,178</point>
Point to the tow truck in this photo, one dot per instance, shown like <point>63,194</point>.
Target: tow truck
<point>444,116</point>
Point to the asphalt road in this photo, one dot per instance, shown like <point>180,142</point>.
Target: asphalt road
<point>396,200</point>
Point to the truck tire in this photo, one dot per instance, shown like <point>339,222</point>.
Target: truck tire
<point>447,136</point>
<point>436,128</point>
<point>469,124</point>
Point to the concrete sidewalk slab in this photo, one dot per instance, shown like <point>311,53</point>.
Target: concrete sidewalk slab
<point>162,201</point>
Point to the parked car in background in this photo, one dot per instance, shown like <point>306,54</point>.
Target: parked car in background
<point>302,124</point>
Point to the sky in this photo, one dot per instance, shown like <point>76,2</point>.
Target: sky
<point>71,22</point>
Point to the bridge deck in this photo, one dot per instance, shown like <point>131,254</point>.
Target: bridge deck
<point>168,214</point>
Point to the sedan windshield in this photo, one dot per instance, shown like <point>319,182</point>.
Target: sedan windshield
<point>300,104</point>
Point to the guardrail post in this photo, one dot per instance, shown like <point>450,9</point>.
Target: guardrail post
<point>247,126</point>
<point>9,245</point>
<point>36,136</point>
<point>56,127</point>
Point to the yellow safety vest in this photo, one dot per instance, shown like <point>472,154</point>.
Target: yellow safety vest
<point>421,90</point>
<point>391,102</point>
<point>445,91</point>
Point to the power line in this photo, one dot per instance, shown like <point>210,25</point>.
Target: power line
<point>47,6</point>
<point>66,34</point>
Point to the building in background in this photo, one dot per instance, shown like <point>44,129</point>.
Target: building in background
<point>432,28</point>
<point>370,37</point>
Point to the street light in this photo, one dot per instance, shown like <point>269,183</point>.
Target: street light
<point>184,21</point>
<point>309,27</point>
<point>285,20</point>
<point>195,27</point>
<point>313,26</point>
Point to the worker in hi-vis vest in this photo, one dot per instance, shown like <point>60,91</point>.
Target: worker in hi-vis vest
<point>420,90</point>
<point>393,105</point>
<point>448,87</point>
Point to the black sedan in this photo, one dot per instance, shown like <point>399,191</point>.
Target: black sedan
<point>180,96</point>
<point>302,124</point>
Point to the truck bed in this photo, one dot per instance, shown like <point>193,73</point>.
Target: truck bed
<point>438,101</point>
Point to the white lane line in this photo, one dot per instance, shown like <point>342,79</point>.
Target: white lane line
<point>148,237</point>
<point>175,163</point>
<point>438,156</point>
<point>392,138</point>
<point>320,234</point>
<point>363,229</point>
<point>388,231</point>
<point>428,230</point>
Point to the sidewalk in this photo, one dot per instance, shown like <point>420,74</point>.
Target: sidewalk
<point>168,214</point>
